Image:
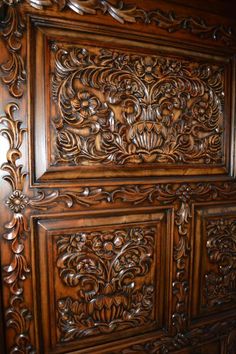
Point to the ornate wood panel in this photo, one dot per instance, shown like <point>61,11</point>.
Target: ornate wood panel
<point>110,276</point>
<point>124,110</point>
<point>117,198</point>
<point>215,258</point>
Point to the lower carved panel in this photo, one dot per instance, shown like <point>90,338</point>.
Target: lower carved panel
<point>215,257</point>
<point>103,276</point>
<point>220,283</point>
<point>104,266</point>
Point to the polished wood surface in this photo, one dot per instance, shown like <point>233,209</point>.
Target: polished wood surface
<point>118,192</point>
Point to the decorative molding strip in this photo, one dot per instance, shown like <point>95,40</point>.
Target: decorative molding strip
<point>14,73</point>
<point>123,13</point>
<point>18,316</point>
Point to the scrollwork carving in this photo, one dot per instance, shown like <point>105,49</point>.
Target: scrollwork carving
<point>124,13</point>
<point>116,108</point>
<point>14,73</point>
<point>15,273</point>
<point>221,250</point>
<point>103,266</point>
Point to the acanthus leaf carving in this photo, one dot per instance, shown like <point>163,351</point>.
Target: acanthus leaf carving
<point>15,273</point>
<point>13,132</point>
<point>14,73</point>
<point>128,13</point>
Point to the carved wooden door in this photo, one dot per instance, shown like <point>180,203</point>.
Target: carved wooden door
<point>118,214</point>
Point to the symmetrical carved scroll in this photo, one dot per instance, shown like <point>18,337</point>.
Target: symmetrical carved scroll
<point>18,316</point>
<point>14,74</point>
<point>221,250</point>
<point>103,266</point>
<point>120,108</point>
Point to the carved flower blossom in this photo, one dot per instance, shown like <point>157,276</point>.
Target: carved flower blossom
<point>17,201</point>
<point>84,104</point>
<point>202,111</point>
<point>147,68</point>
<point>108,245</point>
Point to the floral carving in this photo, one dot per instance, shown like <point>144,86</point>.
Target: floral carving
<point>103,266</point>
<point>117,108</point>
<point>14,74</point>
<point>221,250</point>
<point>17,271</point>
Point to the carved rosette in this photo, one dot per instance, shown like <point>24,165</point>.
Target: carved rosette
<point>220,284</point>
<point>115,108</point>
<point>103,267</point>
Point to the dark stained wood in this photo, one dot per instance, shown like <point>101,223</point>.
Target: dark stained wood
<point>118,192</point>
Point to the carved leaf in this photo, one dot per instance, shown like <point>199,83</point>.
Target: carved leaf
<point>14,74</point>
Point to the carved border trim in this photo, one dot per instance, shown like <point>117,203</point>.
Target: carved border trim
<point>124,13</point>
<point>18,315</point>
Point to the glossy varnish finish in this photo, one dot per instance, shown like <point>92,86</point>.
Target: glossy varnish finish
<point>118,230</point>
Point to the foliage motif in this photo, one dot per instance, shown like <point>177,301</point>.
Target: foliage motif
<point>103,266</point>
<point>15,274</point>
<point>124,13</point>
<point>14,73</point>
<point>221,250</point>
<point>118,108</point>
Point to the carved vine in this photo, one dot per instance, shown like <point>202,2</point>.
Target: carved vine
<point>122,12</point>
<point>103,267</point>
<point>221,250</point>
<point>14,73</point>
<point>17,315</point>
<point>117,108</point>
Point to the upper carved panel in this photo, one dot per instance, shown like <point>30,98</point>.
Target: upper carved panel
<point>118,108</point>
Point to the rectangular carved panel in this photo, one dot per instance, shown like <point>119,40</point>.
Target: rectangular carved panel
<point>109,110</point>
<point>215,256</point>
<point>103,276</point>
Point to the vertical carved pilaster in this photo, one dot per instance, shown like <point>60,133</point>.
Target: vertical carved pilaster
<point>16,272</point>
